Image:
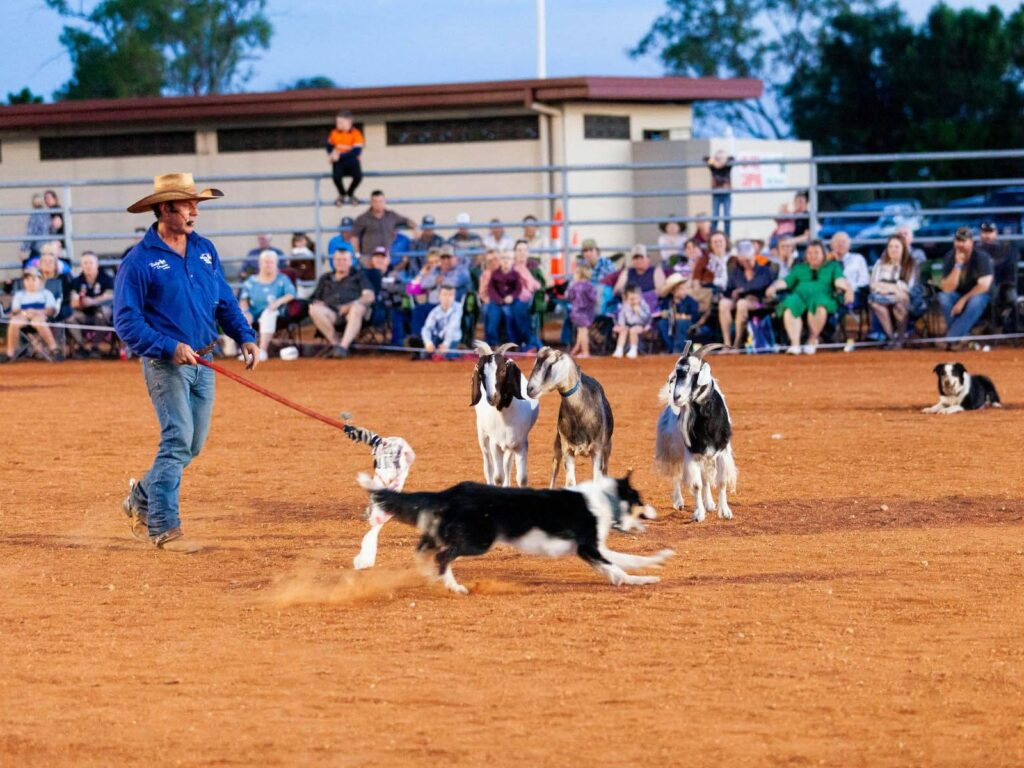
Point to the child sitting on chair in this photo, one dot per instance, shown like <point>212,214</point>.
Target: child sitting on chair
<point>633,320</point>
<point>33,305</point>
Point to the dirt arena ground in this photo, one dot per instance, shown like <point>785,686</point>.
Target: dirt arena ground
<point>864,607</point>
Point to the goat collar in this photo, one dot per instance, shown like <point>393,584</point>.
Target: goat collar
<point>572,391</point>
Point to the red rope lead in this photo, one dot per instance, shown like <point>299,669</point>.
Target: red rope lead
<point>272,395</point>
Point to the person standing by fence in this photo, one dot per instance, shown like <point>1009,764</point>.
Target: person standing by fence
<point>720,165</point>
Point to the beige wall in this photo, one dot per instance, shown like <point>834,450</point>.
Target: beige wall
<point>766,203</point>
<point>21,162</point>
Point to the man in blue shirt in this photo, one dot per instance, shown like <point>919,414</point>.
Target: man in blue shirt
<point>170,296</point>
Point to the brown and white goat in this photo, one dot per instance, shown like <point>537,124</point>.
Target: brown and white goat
<point>504,416</point>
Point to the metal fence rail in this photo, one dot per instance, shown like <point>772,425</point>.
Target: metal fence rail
<point>74,216</point>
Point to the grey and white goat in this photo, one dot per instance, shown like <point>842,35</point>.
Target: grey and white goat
<point>504,416</point>
<point>694,443</point>
<point>585,421</point>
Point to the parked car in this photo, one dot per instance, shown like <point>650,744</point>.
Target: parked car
<point>936,237</point>
<point>879,220</point>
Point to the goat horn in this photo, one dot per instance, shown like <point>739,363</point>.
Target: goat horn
<point>706,349</point>
<point>482,348</point>
<point>686,350</point>
<point>505,348</point>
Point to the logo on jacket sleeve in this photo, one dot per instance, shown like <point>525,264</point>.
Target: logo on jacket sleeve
<point>160,264</point>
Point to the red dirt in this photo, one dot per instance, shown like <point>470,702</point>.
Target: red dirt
<point>815,628</point>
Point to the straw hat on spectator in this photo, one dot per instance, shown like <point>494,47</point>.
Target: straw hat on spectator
<point>670,284</point>
<point>173,186</point>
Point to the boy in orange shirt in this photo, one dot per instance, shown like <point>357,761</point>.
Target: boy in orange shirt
<point>344,145</point>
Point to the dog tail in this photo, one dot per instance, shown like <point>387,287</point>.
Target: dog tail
<point>407,508</point>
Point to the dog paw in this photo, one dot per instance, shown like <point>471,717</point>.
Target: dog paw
<point>665,554</point>
<point>638,581</point>
<point>458,589</point>
<point>698,516</point>
<point>677,506</point>
<point>725,513</point>
<point>361,563</point>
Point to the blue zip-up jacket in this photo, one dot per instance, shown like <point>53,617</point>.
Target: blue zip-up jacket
<point>161,299</point>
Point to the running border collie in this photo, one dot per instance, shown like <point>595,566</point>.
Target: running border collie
<point>468,519</point>
<point>962,391</point>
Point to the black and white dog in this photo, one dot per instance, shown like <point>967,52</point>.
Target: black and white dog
<point>470,518</point>
<point>694,439</point>
<point>960,391</point>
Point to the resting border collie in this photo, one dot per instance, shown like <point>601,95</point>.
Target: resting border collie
<point>962,391</point>
<point>468,519</point>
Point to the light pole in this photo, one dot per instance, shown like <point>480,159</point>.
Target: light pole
<point>542,42</point>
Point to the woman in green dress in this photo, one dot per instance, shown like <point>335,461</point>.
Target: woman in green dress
<point>812,286</point>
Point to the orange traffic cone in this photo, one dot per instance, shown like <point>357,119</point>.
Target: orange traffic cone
<point>557,257</point>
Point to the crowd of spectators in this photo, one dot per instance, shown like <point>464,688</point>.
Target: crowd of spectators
<point>384,270</point>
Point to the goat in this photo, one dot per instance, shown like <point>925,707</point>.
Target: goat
<point>585,421</point>
<point>504,417</point>
<point>694,442</point>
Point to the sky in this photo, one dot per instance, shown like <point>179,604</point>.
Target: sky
<point>396,42</point>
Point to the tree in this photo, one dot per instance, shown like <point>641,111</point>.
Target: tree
<point>123,48</point>
<point>24,96</point>
<point>882,85</point>
<point>766,39</point>
<point>309,83</point>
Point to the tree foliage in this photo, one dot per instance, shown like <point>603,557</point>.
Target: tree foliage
<point>309,83</point>
<point>24,96</point>
<point>123,48</point>
<point>765,39</point>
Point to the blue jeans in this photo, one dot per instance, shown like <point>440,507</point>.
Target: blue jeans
<point>961,324</point>
<point>517,322</point>
<point>420,312</point>
<point>182,397</point>
<point>721,208</point>
<point>674,337</point>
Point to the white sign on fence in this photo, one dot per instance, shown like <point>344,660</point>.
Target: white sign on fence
<point>760,172</point>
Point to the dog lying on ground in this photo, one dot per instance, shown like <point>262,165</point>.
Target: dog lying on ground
<point>961,391</point>
<point>469,518</point>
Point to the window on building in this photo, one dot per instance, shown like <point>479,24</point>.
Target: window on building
<point>117,145</point>
<point>655,134</point>
<point>276,137</point>
<point>463,130</point>
<point>606,127</point>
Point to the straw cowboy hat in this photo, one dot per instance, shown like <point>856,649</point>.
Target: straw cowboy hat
<point>670,283</point>
<point>173,186</point>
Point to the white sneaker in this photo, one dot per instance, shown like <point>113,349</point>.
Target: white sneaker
<point>810,349</point>
<point>632,352</point>
<point>263,355</point>
<point>617,352</point>
<point>793,350</point>
<point>849,346</point>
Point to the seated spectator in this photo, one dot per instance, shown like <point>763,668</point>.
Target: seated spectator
<point>538,244</point>
<point>489,264</point>
<point>37,229</point>
<point>344,146</point>
<point>710,273</point>
<point>388,290</point>
<point>744,293</point>
<point>633,320</point>
<point>1004,268</point>
<point>401,246</point>
<point>251,265</point>
<point>303,256</point>
<point>702,231</point>
<point>904,231</point>
<point>855,266</point>
<point>264,298</point>
<point>427,240</point>
<point>442,330</point>
<point>641,273</point>
<point>465,242</point>
<point>503,287</point>
<point>497,239</point>
<point>446,271</point>
<point>784,227</point>
<point>671,241</point>
<point>812,286</point>
<point>51,201</point>
<point>377,226</point>
<point>92,303</point>
<point>892,278</point>
<point>680,313</point>
<point>53,249</point>
<point>341,241</point>
<point>600,267</point>
<point>57,281</point>
<point>32,305</point>
<point>582,297</point>
<point>966,281</point>
<point>343,293</point>
<point>802,225</point>
<point>785,256</point>
<point>683,264</point>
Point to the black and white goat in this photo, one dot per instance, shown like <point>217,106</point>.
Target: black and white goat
<point>585,421</point>
<point>694,443</point>
<point>468,519</point>
<point>504,417</point>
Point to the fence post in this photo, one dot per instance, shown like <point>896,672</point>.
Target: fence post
<point>812,200</point>
<point>566,237</point>
<point>69,241</point>
<point>317,227</point>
